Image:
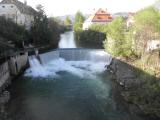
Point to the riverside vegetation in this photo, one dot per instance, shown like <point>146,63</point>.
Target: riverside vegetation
<point>44,32</point>
<point>129,45</point>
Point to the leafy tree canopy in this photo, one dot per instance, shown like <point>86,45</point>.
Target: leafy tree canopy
<point>148,18</point>
<point>79,19</point>
<point>67,21</point>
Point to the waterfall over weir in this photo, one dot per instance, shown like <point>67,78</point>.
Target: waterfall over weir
<point>96,55</point>
<point>67,84</point>
<point>67,40</point>
<point>80,62</point>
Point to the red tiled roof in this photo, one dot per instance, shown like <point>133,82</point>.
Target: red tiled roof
<point>102,16</point>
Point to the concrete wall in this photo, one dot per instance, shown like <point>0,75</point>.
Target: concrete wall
<point>4,74</point>
<point>17,63</point>
<point>12,68</point>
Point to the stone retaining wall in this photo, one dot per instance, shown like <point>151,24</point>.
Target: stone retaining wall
<point>12,68</point>
<point>4,74</point>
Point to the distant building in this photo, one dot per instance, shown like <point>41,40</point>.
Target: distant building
<point>100,17</point>
<point>17,11</point>
<point>120,14</point>
<point>88,22</point>
<point>130,20</point>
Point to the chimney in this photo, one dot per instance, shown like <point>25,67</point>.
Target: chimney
<point>25,2</point>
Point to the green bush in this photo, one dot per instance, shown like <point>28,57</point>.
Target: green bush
<point>118,42</point>
<point>90,39</point>
<point>79,19</point>
<point>146,27</point>
<point>99,28</point>
<point>11,31</point>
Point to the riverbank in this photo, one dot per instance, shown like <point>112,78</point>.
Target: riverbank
<point>139,89</point>
<point>14,65</point>
<point>16,61</point>
<point>75,89</point>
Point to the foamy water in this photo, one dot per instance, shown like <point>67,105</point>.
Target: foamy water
<point>67,40</point>
<point>79,68</point>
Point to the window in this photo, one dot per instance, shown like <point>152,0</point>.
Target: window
<point>98,17</point>
<point>21,22</point>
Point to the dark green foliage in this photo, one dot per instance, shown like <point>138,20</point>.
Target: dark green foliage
<point>56,29</point>
<point>10,31</point>
<point>90,39</point>
<point>40,30</point>
<point>45,31</point>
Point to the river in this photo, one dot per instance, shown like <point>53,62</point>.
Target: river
<point>67,40</point>
<point>72,88</point>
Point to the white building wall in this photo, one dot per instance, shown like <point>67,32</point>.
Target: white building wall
<point>29,19</point>
<point>86,25</point>
<point>11,11</point>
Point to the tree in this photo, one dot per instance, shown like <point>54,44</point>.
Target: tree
<point>55,29</point>
<point>13,32</point>
<point>40,29</point>
<point>146,27</point>
<point>40,9</point>
<point>116,43</point>
<point>79,19</point>
<point>67,21</point>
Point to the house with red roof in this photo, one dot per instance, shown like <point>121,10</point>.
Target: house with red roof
<point>99,17</point>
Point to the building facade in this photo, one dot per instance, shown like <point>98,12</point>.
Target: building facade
<point>18,12</point>
<point>130,20</point>
<point>100,17</point>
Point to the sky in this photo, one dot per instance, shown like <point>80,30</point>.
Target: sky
<point>67,7</point>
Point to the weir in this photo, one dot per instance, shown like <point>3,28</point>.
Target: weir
<point>77,54</point>
<point>67,84</point>
<point>77,61</point>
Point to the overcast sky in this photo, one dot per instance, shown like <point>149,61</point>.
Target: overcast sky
<point>63,7</point>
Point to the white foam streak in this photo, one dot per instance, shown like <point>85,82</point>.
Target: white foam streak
<point>67,40</point>
<point>79,68</point>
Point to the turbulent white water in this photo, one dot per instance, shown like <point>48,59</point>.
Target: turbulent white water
<point>80,62</point>
<point>79,68</point>
<point>67,40</point>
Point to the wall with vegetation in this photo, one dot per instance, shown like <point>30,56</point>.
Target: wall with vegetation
<point>138,70</point>
<point>92,38</point>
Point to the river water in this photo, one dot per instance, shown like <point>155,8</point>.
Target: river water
<point>64,89</point>
<point>67,40</point>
